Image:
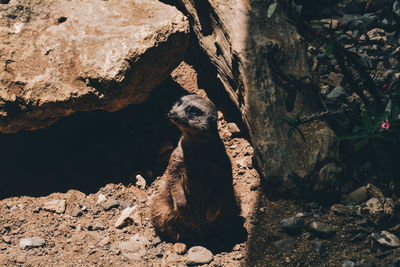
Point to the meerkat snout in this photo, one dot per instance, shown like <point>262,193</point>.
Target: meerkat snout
<point>195,114</point>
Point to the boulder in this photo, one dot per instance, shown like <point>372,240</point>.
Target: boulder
<point>59,58</point>
<point>262,62</point>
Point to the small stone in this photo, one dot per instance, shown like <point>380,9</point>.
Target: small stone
<point>100,198</point>
<point>125,219</point>
<point>358,196</point>
<point>387,239</point>
<point>157,240</point>
<point>366,263</point>
<point>125,204</point>
<point>159,252</point>
<point>105,241</point>
<point>238,256</point>
<point>115,250</point>
<point>21,259</point>
<point>388,207</point>
<point>377,35</point>
<point>76,212</point>
<point>321,229</point>
<point>233,128</point>
<point>140,182</point>
<point>135,248</point>
<point>172,259</point>
<point>57,206</point>
<point>32,242</point>
<point>110,204</point>
<point>7,239</point>
<point>236,247</point>
<point>286,244</point>
<point>217,262</point>
<point>199,255</point>
<point>292,225</point>
<point>348,263</point>
<point>396,8</point>
<point>372,206</point>
<point>180,248</point>
<point>98,227</point>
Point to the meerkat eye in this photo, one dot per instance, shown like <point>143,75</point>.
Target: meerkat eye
<point>192,111</point>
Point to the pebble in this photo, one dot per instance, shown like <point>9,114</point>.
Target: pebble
<point>199,255</point>
<point>387,239</point>
<point>321,229</point>
<point>76,212</point>
<point>125,219</point>
<point>105,241</point>
<point>171,259</point>
<point>98,227</point>
<point>348,263</point>
<point>372,206</point>
<point>7,239</point>
<point>159,251</point>
<point>135,248</point>
<point>366,263</point>
<point>233,128</point>
<point>286,244</point>
<point>180,248</point>
<point>32,242</point>
<point>110,204</point>
<point>57,206</point>
<point>292,225</point>
<point>238,256</point>
<point>360,195</point>
<point>100,198</point>
<point>140,182</point>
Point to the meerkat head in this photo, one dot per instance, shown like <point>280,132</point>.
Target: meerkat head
<point>194,115</point>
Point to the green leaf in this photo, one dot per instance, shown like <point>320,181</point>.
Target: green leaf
<point>290,132</point>
<point>352,137</point>
<point>395,113</point>
<point>388,108</point>
<point>357,129</point>
<point>297,118</point>
<point>360,144</point>
<point>329,47</point>
<point>299,9</point>
<point>271,9</point>
<point>287,119</point>
<point>366,120</point>
<point>301,134</point>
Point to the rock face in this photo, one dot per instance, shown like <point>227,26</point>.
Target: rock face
<point>58,58</point>
<point>262,65</point>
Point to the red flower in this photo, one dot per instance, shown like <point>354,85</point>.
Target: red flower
<point>385,125</point>
<point>318,32</point>
<point>342,24</point>
<point>368,4</point>
<point>384,86</point>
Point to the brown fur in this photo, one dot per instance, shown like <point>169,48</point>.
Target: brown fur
<point>198,197</point>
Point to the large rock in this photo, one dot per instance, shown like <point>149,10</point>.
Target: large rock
<point>252,52</point>
<point>58,58</point>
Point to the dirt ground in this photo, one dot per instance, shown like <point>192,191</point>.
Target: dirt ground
<point>82,231</point>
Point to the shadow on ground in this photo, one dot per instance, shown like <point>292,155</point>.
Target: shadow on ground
<point>85,151</point>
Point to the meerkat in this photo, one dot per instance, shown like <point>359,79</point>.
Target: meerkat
<point>198,197</point>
